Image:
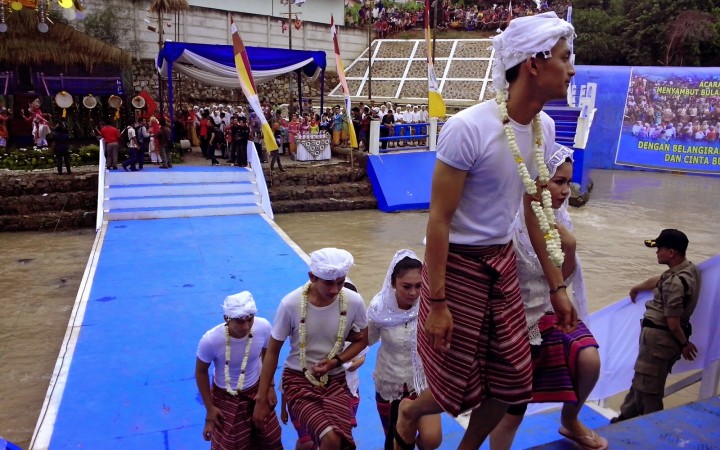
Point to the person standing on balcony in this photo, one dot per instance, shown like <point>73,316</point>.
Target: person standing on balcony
<point>666,328</point>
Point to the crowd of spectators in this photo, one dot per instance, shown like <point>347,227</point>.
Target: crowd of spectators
<point>390,17</point>
<point>672,108</point>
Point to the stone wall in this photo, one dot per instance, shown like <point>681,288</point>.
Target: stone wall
<point>192,92</point>
<point>46,201</point>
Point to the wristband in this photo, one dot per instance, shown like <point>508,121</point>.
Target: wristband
<point>557,288</point>
<point>436,300</point>
<point>340,362</point>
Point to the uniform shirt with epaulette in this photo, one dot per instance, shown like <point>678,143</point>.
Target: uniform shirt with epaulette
<point>675,295</point>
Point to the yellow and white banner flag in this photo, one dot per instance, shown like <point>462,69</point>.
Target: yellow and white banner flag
<point>247,84</point>
<point>343,83</point>
<point>436,104</point>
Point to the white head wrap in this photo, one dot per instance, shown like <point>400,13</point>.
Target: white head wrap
<point>555,156</point>
<point>383,310</point>
<point>239,305</point>
<point>525,37</point>
<point>330,263</point>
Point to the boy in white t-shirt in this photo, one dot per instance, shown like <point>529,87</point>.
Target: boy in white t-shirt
<point>236,348</point>
<point>317,318</point>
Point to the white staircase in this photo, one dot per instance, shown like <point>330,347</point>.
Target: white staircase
<point>183,191</point>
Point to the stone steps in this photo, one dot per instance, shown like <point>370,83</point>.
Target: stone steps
<point>338,190</point>
<point>324,204</point>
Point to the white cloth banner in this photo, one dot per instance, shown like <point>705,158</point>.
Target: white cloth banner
<point>217,74</point>
<point>617,330</point>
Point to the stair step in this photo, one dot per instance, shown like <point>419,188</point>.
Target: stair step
<point>339,190</point>
<point>143,190</point>
<point>156,201</point>
<point>180,175</point>
<point>172,211</point>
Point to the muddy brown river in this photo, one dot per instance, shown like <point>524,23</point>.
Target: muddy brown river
<point>40,272</point>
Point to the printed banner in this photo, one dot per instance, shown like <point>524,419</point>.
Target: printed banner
<point>671,120</point>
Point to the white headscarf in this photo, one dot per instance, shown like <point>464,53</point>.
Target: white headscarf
<point>555,156</point>
<point>383,309</point>
<point>525,37</point>
<point>239,305</point>
<point>330,263</point>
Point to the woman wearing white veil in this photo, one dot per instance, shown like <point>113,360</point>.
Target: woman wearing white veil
<point>566,366</point>
<point>392,320</point>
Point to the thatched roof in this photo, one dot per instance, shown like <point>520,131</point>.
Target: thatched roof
<point>62,45</point>
<point>168,6</point>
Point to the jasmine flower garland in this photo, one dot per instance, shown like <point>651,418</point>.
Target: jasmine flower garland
<point>241,378</point>
<point>303,336</point>
<point>543,211</point>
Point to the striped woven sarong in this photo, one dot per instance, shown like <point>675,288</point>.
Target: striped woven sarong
<point>489,355</point>
<point>237,431</point>
<point>555,361</point>
<point>318,408</point>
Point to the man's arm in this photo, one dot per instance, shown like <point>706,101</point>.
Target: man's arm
<point>646,285</point>
<point>447,187</point>
<point>214,416</point>
<point>564,311</point>
<point>359,343</point>
<point>262,401</point>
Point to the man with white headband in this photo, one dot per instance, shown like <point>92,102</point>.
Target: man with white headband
<point>318,318</point>
<point>237,348</point>
<point>472,334</point>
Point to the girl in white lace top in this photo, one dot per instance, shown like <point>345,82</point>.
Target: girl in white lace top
<point>392,320</point>
<point>566,366</point>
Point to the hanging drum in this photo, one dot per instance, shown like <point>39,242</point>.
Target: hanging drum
<point>138,102</point>
<point>115,102</point>
<point>89,102</point>
<point>64,100</point>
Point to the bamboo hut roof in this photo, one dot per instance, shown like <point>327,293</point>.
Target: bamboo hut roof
<point>61,45</point>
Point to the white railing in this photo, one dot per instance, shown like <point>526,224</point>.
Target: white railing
<point>256,165</point>
<point>431,136</point>
<point>101,186</point>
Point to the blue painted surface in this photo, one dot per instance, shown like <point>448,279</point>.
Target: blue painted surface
<point>158,287</point>
<point>401,181</point>
<point>695,426</point>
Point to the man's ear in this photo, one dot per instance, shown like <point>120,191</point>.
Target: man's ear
<point>532,65</point>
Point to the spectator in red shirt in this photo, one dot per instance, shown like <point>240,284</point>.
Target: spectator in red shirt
<point>112,138</point>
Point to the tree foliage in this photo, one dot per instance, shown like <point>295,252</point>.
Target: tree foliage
<point>647,32</point>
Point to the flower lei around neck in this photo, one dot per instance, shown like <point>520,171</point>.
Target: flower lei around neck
<point>303,336</point>
<point>544,212</point>
<point>243,366</point>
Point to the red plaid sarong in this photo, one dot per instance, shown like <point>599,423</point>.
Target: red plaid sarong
<point>490,353</point>
<point>318,408</point>
<point>237,431</point>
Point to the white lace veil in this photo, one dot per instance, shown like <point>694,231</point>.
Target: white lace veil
<point>383,310</point>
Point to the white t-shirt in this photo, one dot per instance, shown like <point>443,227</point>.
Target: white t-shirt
<point>131,136</point>
<point>212,349</point>
<point>321,326</point>
<point>474,141</point>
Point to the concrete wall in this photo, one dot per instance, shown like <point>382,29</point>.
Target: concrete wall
<point>212,26</point>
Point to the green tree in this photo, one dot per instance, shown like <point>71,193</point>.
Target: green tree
<point>648,34</point>
<point>106,25</point>
<point>598,40</point>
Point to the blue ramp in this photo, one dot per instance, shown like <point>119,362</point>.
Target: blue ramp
<point>692,426</point>
<point>401,181</point>
<point>157,286</point>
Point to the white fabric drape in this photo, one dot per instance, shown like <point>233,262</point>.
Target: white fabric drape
<point>216,74</point>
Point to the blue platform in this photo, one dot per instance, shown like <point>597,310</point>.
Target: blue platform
<point>158,286</point>
<point>402,181</point>
<point>695,426</point>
